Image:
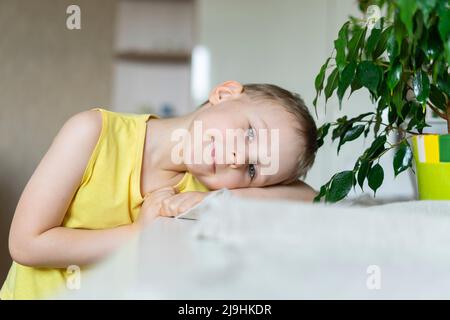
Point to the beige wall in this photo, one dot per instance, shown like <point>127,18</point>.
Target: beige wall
<point>47,73</point>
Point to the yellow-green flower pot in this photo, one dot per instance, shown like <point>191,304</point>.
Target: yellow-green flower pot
<point>432,160</point>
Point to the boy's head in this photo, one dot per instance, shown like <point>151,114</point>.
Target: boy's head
<point>256,135</point>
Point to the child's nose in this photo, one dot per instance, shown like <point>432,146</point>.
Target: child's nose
<point>237,160</point>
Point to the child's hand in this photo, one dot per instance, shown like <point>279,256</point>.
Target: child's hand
<point>181,202</point>
<point>151,207</point>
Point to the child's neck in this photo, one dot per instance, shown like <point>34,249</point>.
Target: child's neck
<point>156,161</point>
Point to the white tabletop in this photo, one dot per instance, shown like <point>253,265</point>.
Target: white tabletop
<point>283,250</point>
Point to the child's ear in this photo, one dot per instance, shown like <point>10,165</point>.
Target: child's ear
<point>224,91</point>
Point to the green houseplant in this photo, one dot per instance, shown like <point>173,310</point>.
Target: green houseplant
<point>402,58</point>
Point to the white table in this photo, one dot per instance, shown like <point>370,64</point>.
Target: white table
<point>284,250</point>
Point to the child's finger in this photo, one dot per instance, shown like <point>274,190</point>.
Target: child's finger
<point>188,203</point>
<point>181,203</point>
<point>160,193</point>
<point>170,206</point>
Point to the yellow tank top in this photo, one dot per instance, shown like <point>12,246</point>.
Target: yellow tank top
<point>108,196</point>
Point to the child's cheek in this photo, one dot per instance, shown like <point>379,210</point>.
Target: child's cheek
<point>231,179</point>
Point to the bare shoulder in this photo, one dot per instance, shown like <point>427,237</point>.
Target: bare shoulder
<point>68,154</point>
<point>83,126</point>
<point>76,141</point>
<point>72,147</point>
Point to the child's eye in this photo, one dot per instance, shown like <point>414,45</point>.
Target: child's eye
<point>250,133</point>
<point>251,171</point>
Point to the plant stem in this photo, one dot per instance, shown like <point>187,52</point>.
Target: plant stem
<point>383,124</point>
<point>391,146</point>
<point>439,113</point>
<point>385,64</point>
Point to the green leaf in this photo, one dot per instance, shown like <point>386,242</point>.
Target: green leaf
<point>426,6</point>
<point>340,130</point>
<point>420,118</point>
<point>419,27</point>
<point>398,99</point>
<point>353,133</point>
<point>376,177</point>
<point>341,185</point>
<point>392,47</point>
<point>378,120</point>
<point>407,10</point>
<point>402,158</point>
<point>421,86</point>
<point>400,33</point>
<point>345,124</point>
<point>376,146</point>
<point>332,83</point>
<point>355,43</point>
<point>444,21</point>
<point>411,123</point>
<point>433,45</point>
<point>342,120</point>
<point>392,114</point>
<point>345,80</point>
<point>394,76</point>
<point>322,133</point>
<point>382,43</point>
<point>447,51</point>
<point>369,75</point>
<point>372,41</point>
<point>443,83</point>
<point>318,83</point>
<point>437,98</point>
<point>340,44</point>
<point>367,130</point>
<point>315,103</point>
<point>362,172</point>
<point>350,135</point>
<point>356,84</point>
<point>322,193</point>
<point>360,117</point>
<point>405,112</point>
<point>404,51</point>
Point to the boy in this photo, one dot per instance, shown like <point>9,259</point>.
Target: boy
<point>108,174</point>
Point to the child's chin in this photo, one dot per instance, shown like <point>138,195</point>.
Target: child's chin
<point>200,170</point>
<point>210,182</point>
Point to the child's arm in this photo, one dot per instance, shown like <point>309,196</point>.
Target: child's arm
<point>298,191</point>
<point>179,203</point>
<point>36,236</point>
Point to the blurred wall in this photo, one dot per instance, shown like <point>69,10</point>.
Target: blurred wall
<point>47,73</point>
<point>153,28</point>
<point>285,43</point>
